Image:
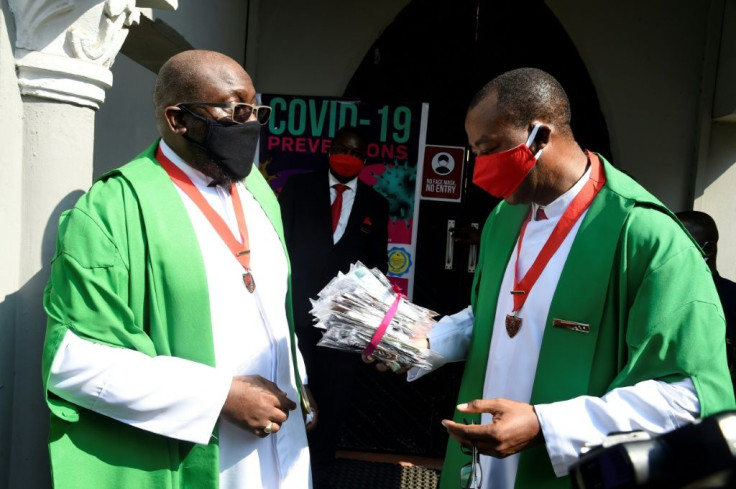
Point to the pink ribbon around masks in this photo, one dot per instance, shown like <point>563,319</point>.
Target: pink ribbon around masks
<point>371,347</point>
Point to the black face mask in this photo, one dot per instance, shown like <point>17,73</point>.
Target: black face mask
<point>231,145</point>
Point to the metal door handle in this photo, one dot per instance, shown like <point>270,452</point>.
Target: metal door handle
<point>473,252</point>
<point>450,245</point>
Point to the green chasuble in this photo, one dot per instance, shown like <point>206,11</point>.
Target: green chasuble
<point>128,273</point>
<point>636,277</point>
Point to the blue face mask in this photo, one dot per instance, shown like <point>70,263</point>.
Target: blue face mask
<point>231,145</point>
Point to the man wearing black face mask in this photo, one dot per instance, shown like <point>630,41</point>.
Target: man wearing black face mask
<point>170,358</point>
<point>331,219</point>
<point>592,310</point>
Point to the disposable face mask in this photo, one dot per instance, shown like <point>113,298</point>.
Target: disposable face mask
<point>345,165</point>
<point>500,174</point>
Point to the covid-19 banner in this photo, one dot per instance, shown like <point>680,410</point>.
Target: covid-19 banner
<point>298,138</point>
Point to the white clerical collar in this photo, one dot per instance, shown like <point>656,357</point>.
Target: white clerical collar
<point>352,184</point>
<point>554,210</point>
<point>197,177</point>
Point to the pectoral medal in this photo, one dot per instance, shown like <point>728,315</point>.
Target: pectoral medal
<point>564,225</point>
<point>513,324</point>
<point>249,282</point>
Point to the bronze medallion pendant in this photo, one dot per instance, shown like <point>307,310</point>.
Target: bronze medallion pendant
<point>249,281</point>
<point>513,325</point>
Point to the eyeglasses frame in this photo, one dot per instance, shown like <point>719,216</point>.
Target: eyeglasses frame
<point>231,106</point>
<point>473,465</point>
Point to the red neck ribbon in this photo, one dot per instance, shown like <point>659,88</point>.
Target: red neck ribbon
<point>573,212</point>
<point>240,251</point>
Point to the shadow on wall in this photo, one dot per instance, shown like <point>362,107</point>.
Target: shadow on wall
<point>24,319</point>
<point>7,333</point>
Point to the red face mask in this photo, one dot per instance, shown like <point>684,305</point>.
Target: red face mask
<point>500,174</point>
<point>345,165</point>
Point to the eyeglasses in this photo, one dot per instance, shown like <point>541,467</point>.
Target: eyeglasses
<point>238,112</point>
<point>471,475</point>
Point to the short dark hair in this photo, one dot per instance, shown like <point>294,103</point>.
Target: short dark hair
<point>526,94</point>
<point>697,219</point>
<point>353,130</point>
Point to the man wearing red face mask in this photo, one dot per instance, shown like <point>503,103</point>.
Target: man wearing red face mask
<point>592,310</point>
<point>331,219</point>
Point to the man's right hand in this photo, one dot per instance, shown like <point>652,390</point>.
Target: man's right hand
<point>254,402</point>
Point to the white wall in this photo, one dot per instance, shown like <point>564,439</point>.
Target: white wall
<point>217,25</point>
<point>649,63</point>
<point>718,199</point>
<point>716,176</point>
<point>57,167</point>
<point>313,48</point>
<point>124,125</point>
<point>645,60</point>
<point>11,129</point>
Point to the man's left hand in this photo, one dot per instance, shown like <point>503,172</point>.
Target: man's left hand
<point>514,427</point>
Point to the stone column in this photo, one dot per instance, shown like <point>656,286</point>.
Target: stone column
<point>63,53</point>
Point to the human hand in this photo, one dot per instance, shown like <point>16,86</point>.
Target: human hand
<point>311,424</point>
<point>515,427</point>
<point>396,368</point>
<point>254,402</point>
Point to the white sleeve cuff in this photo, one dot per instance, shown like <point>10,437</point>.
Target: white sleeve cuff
<point>450,338</point>
<point>652,406</point>
<point>169,396</point>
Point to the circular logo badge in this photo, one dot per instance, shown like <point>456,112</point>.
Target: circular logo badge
<point>399,261</point>
<point>443,163</point>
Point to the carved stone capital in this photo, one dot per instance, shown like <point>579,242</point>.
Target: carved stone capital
<point>64,48</point>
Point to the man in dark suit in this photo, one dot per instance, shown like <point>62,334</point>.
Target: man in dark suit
<point>331,219</point>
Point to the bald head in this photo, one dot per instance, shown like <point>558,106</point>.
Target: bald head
<point>351,132</point>
<point>192,76</point>
<point>183,77</point>
<point>700,225</point>
<point>703,229</point>
<point>528,94</point>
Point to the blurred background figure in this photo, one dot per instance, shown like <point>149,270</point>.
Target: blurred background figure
<point>703,228</point>
<point>331,219</point>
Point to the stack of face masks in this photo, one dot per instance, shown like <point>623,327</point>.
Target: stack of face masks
<point>355,305</point>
